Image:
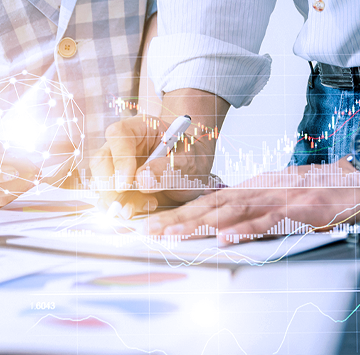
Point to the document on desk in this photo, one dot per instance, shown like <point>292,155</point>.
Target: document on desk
<point>99,301</point>
<point>128,241</point>
<point>186,253</point>
<point>20,211</point>
<point>78,227</point>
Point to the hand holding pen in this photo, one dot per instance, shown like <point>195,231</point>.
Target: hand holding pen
<point>176,129</point>
<point>129,144</point>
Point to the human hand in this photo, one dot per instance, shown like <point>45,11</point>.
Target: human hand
<point>129,144</point>
<point>17,176</point>
<point>254,211</point>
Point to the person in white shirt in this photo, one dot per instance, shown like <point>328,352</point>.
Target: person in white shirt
<point>204,59</point>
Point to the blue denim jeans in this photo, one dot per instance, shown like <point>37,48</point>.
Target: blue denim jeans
<point>331,119</point>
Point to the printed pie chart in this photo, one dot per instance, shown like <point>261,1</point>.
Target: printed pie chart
<point>140,279</point>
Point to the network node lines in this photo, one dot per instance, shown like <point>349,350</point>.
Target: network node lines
<point>41,129</point>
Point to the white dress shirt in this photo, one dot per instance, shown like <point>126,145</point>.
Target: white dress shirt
<point>214,45</point>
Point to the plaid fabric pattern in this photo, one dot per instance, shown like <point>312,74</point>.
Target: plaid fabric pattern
<point>108,34</point>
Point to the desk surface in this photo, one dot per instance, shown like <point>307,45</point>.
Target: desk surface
<point>297,306</point>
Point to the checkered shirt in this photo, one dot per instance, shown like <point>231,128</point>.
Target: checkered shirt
<point>108,34</point>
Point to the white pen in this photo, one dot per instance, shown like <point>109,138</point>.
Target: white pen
<point>170,137</point>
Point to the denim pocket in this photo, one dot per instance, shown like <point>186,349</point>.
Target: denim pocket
<point>329,121</point>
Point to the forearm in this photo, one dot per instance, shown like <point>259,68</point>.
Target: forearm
<point>207,112</point>
<point>204,108</point>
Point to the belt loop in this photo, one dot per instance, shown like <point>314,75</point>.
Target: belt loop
<point>312,75</point>
<point>355,73</point>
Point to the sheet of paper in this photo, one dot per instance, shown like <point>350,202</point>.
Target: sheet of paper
<point>95,306</point>
<point>189,252</point>
<point>54,203</point>
<point>257,252</point>
<point>77,226</point>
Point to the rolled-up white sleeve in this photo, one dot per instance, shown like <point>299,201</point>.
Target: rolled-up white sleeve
<point>211,45</point>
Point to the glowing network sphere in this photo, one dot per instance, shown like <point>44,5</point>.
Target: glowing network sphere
<point>40,122</point>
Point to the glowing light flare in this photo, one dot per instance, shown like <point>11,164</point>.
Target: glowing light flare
<point>52,103</point>
<point>104,221</point>
<point>30,148</point>
<point>60,121</point>
<point>42,128</point>
<point>20,129</point>
<point>29,124</point>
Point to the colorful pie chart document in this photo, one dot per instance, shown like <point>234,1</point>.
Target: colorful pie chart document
<point>96,306</point>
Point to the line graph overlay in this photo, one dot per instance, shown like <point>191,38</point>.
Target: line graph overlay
<point>167,248</point>
<point>224,330</point>
<point>40,126</point>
